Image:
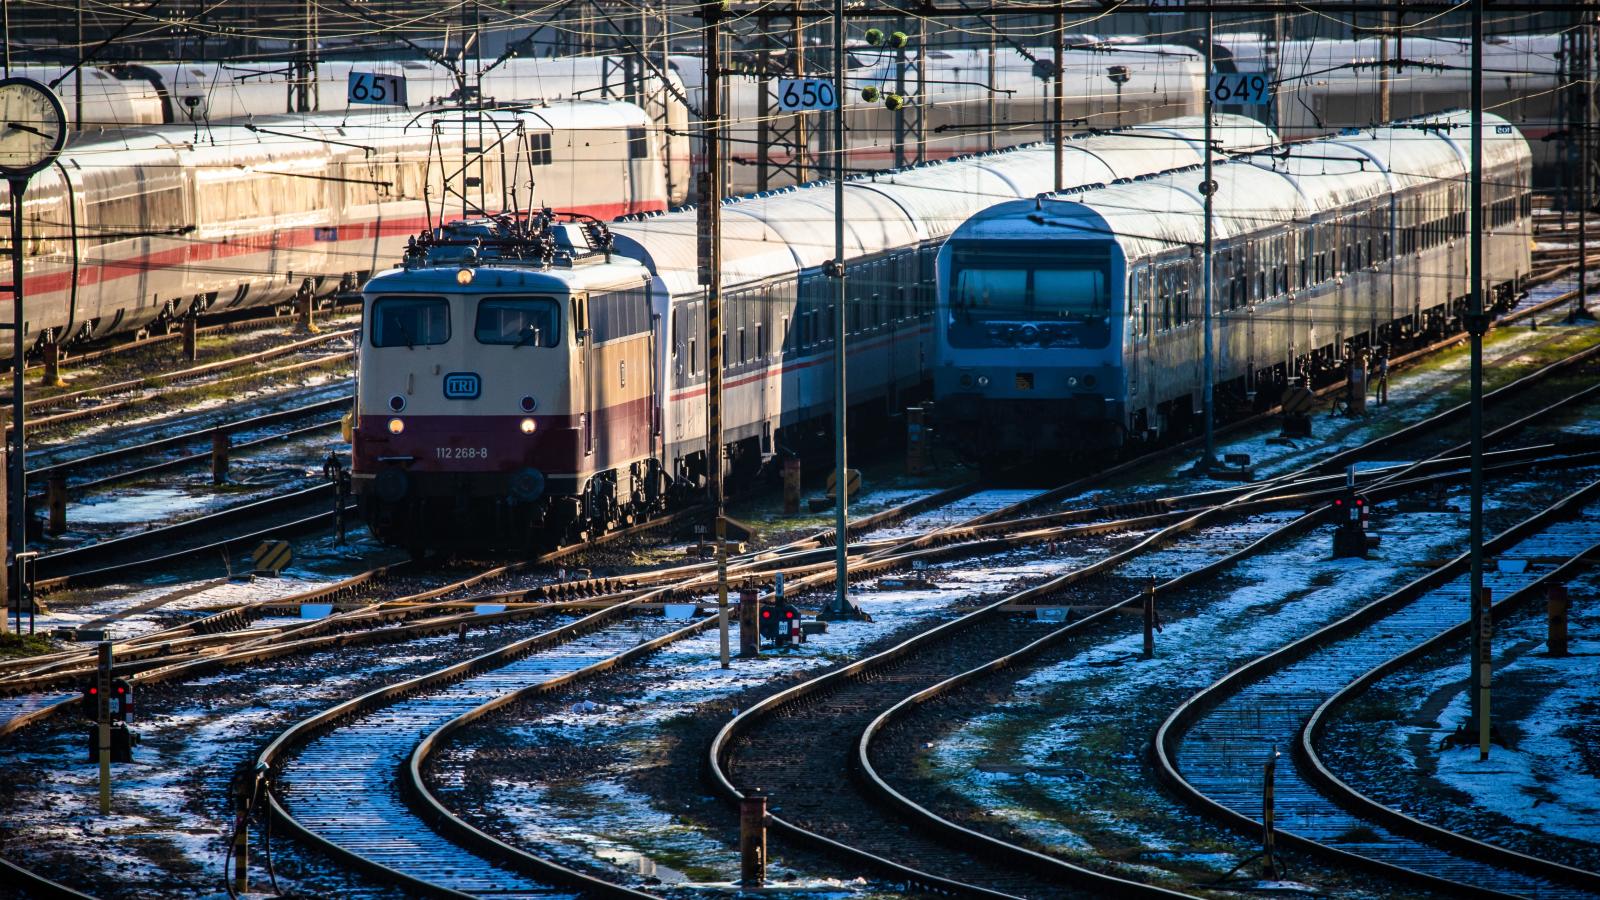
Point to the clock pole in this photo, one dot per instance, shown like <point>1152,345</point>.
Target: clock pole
<point>46,121</point>
<point>16,454</point>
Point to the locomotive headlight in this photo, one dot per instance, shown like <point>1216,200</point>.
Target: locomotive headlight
<point>463,277</point>
<point>983,381</point>
<point>1072,381</point>
<point>529,426</point>
<point>396,426</point>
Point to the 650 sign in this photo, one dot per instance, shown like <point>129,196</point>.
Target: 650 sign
<point>796,94</point>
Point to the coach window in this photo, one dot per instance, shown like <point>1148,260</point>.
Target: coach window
<point>1164,296</point>
<point>1180,294</point>
<point>518,321</point>
<point>410,321</point>
<point>638,143</point>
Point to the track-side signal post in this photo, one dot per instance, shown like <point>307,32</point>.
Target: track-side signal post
<point>102,720</point>
<point>753,839</point>
<point>1350,510</point>
<point>1556,606</point>
<point>751,623</point>
<point>1150,619</point>
<point>1269,842</point>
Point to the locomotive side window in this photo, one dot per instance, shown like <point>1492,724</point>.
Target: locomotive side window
<point>410,321</point>
<point>539,153</point>
<point>519,321</point>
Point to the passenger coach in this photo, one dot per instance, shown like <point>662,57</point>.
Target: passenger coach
<point>1072,322</point>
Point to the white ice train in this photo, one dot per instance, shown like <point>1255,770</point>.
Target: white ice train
<point>544,393</point>
<point>157,223</point>
<point>1073,322</point>
<point>962,114</point>
<point>1321,86</point>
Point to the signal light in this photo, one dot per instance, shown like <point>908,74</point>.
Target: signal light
<point>121,700</point>
<point>396,426</point>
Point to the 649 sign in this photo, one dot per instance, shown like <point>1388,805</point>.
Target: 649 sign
<point>796,94</point>
<point>1240,88</point>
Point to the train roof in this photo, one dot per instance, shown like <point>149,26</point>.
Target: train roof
<point>284,133</point>
<point>1149,216</point>
<point>792,228</point>
<point>491,277</point>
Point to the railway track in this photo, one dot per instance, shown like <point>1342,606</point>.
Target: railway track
<point>339,783</point>
<point>1524,587</point>
<point>885,754</point>
<point>1209,750</point>
<point>434,868</point>
<point>849,695</point>
<point>152,388</point>
<point>997,514</point>
<point>190,435</point>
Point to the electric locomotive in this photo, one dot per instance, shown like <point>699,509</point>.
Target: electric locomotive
<point>506,393</point>
<point>1072,322</point>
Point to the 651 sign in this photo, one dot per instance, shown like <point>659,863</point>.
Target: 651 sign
<point>371,87</point>
<point>796,94</point>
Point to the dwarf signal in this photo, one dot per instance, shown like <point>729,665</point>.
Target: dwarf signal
<point>1350,513</point>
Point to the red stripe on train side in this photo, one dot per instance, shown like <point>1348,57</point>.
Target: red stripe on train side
<point>194,251</point>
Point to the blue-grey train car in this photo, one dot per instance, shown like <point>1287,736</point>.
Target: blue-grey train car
<point>1073,321</point>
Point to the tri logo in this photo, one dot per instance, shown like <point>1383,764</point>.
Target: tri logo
<point>462,386</point>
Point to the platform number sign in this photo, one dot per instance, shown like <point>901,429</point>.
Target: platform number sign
<point>1240,88</point>
<point>371,87</point>
<point>800,94</point>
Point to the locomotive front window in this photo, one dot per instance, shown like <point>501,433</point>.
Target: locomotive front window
<point>1002,288</point>
<point>1071,293</point>
<point>519,321</point>
<point>410,321</point>
<point>1002,291</point>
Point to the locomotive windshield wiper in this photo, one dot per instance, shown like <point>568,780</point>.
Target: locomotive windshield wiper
<point>531,339</point>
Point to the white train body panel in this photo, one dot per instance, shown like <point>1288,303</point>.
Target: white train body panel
<point>157,223</point>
